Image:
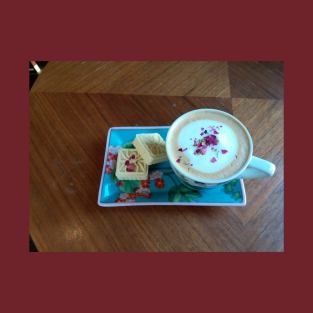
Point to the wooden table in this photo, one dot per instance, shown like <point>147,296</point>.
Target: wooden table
<point>72,106</point>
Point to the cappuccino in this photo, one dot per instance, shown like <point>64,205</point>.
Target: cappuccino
<point>208,145</point>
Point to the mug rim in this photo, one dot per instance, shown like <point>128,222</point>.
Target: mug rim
<point>201,180</point>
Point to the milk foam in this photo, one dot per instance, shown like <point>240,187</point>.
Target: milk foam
<point>223,156</point>
<point>227,141</point>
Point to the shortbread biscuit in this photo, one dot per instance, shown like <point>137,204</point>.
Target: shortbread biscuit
<point>151,147</point>
<point>130,165</point>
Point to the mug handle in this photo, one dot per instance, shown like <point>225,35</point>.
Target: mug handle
<point>258,168</point>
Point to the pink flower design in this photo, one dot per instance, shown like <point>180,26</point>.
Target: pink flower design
<point>114,149</point>
<point>120,200</point>
<point>112,156</point>
<point>155,174</point>
<point>143,190</point>
<point>108,169</point>
<point>126,197</point>
<point>111,159</point>
<point>123,196</point>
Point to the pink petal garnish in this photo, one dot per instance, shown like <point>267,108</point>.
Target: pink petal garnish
<point>215,132</point>
<point>204,149</point>
<point>202,128</point>
<point>213,160</point>
<point>131,168</point>
<point>178,160</point>
<point>224,151</point>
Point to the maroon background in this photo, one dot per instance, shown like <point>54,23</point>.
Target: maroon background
<point>140,30</point>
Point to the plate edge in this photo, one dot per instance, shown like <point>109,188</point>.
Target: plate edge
<point>104,164</point>
<point>111,204</point>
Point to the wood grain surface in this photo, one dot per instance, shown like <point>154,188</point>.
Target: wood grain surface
<point>206,79</point>
<point>69,121</point>
<point>265,197</point>
<point>256,79</point>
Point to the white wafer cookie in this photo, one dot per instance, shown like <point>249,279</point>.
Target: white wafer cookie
<point>130,165</point>
<point>151,147</point>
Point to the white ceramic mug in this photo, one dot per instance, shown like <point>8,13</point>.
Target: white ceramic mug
<point>254,167</point>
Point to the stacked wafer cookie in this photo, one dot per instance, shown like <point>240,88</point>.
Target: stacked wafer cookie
<point>133,164</point>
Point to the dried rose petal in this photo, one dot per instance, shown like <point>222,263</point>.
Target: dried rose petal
<point>203,143</point>
<point>131,168</point>
<point>178,160</point>
<point>213,160</point>
<point>224,151</point>
<point>126,162</point>
<point>211,140</point>
<point>203,150</point>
